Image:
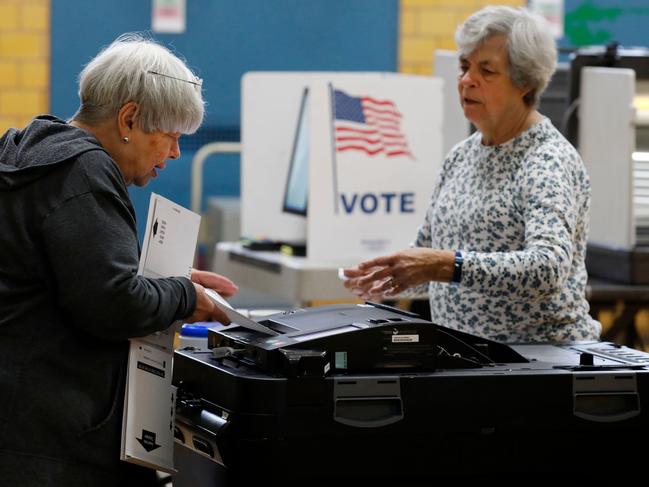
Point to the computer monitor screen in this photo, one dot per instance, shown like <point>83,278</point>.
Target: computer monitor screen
<point>296,193</point>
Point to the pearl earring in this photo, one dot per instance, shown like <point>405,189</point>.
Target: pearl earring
<point>125,139</point>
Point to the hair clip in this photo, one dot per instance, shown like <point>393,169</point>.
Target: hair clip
<point>198,83</point>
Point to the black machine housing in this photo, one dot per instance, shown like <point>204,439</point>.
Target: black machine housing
<point>443,405</point>
<point>354,338</point>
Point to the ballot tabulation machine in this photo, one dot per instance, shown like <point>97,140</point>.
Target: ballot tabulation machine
<point>368,391</point>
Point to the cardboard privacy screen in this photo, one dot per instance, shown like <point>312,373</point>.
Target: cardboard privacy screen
<point>366,146</point>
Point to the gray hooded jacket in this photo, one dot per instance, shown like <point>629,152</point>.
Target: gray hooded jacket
<point>69,297</point>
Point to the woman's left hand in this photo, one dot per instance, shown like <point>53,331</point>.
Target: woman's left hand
<point>222,285</point>
<point>394,273</point>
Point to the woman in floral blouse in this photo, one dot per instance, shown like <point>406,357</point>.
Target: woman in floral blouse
<point>503,244</point>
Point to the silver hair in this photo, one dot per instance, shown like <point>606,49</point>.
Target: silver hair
<point>531,47</point>
<point>135,68</point>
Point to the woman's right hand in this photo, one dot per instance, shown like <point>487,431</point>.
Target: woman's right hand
<point>392,274</point>
<point>206,310</point>
<point>363,282</point>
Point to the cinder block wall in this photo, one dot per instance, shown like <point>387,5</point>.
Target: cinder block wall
<point>24,61</point>
<point>427,25</point>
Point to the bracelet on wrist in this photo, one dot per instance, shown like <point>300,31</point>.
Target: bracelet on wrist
<point>457,268</point>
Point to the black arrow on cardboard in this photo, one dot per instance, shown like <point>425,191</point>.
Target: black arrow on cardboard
<point>148,441</point>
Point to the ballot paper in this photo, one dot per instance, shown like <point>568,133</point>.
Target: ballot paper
<point>149,408</point>
<point>169,239</point>
<point>168,250</point>
<point>235,317</point>
<point>148,419</point>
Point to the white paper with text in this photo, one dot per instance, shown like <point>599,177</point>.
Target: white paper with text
<point>147,427</point>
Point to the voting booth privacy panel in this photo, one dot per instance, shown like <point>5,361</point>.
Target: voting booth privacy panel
<point>368,145</point>
<point>613,142</point>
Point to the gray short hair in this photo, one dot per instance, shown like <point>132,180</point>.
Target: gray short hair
<point>530,44</point>
<point>134,68</point>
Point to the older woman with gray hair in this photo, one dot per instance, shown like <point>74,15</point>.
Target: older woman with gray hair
<point>70,296</point>
<point>503,244</point>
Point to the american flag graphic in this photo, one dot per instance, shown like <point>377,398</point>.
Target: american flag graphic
<point>368,125</point>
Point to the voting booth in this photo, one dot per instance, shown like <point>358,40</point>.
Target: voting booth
<point>345,162</point>
<point>613,141</point>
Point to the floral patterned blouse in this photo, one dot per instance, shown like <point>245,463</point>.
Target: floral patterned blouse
<point>518,212</point>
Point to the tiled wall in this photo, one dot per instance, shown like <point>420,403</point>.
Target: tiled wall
<point>24,61</point>
<point>427,25</point>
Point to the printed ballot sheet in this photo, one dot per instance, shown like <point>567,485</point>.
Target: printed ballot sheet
<point>168,249</point>
<point>235,317</point>
<point>169,239</point>
<point>149,407</point>
<point>147,427</point>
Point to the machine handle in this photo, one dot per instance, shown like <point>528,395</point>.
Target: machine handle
<point>368,402</point>
<point>368,412</point>
<point>606,407</point>
<point>606,398</point>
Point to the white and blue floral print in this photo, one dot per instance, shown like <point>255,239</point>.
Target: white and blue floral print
<point>518,212</point>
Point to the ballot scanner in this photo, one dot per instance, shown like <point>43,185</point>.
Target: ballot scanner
<point>356,338</point>
<point>339,392</point>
